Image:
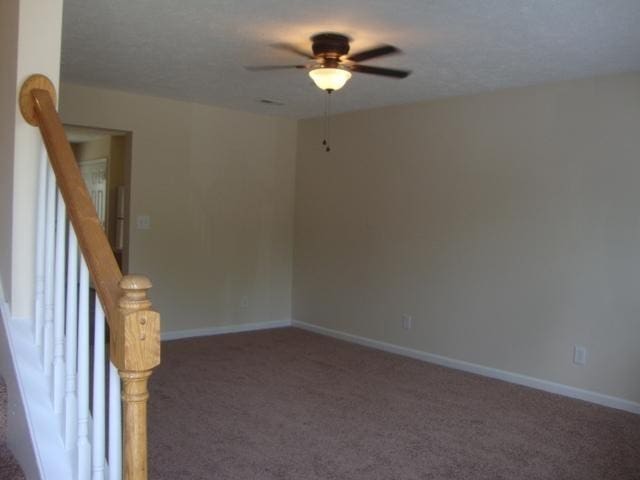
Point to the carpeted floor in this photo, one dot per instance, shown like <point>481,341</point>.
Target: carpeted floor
<point>9,468</point>
<point>288,404</point>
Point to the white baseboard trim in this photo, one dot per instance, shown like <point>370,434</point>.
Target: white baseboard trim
<point>517,378</point>
<point>222,329</point>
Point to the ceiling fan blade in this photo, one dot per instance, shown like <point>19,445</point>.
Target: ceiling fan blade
<point>293,49</point>
<point>261,68</point>
<point>385,72</point>
<point>373,53</point>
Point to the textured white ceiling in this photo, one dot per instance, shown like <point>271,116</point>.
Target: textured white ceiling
<point>196,49</point>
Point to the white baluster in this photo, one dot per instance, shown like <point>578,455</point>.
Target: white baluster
<point>84,447</point>
<point>115,425</point>
<point>40,246</point>
<point>58,306</point>
<point>70,401</point>
<point>98,411</point>
<point>50,227</point>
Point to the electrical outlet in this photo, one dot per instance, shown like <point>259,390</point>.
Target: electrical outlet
<point>407,322</point>
<point>244,303</point>
<point>579,355</point>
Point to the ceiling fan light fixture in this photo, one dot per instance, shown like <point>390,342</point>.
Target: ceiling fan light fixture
<point>329,78</point>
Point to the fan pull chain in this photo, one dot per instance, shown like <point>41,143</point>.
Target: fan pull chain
<point>324,140</point>
<point>327,127</point>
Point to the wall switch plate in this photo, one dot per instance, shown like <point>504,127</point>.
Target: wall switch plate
<point>407,322</point>
<point>579,355</point>
<point>143,222</point>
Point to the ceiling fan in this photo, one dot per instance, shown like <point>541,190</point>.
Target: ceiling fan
<point>331,65</point>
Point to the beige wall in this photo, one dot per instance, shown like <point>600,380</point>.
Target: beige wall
<point>504,223</point>
<point>218,186</point>
<point>93,149</point>
<point>507,224</point>
<point>8,103</point>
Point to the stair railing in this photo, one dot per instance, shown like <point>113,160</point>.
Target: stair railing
<point>71,256</point>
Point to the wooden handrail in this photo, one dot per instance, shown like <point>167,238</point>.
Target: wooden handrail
<point>134,327</point>
<point>37,102</point>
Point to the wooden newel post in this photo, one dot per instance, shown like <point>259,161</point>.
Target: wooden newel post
<point>135,351</point>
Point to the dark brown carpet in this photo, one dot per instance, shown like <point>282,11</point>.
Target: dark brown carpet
<point>288,404</point>
<point>9,468</point>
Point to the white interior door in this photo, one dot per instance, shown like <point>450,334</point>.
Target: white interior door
<point>94,173</point>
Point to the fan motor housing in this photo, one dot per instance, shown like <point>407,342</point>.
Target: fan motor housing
<point>330,45</point>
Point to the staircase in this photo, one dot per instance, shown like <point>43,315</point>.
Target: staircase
<point>80,400</point>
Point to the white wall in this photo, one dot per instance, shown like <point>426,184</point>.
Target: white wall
<point>507,224</point>
<point>8,104</point>
<point>218,186</point>
<point>30,33</point>
<point>39,38</point>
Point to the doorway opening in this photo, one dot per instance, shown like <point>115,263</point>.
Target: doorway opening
<point>104,158</point>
